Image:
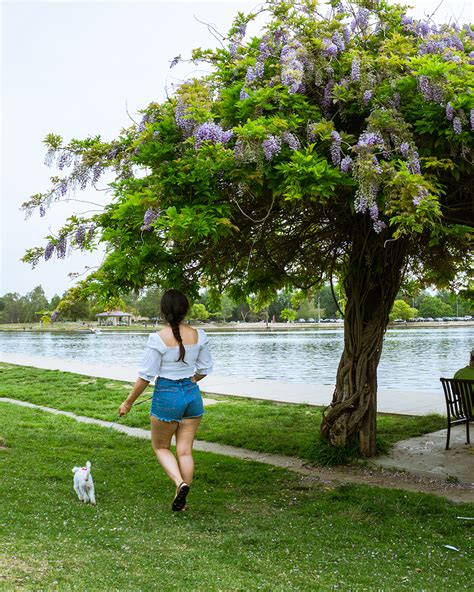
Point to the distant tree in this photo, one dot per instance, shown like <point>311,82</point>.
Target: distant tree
<point>434,307</point>
<point>35,301</point>
<point>149,304</point>
<point>227,307</point>
<point>402,310</point>
<point>282,300</point>
<point>198,312</point>
<point>327,302</point>
<point>307,310</point>
<point>55,300</point>
<point>288,314</point>
<point>14,308</point>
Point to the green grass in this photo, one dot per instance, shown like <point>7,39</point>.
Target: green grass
<point>258,425</point>
<point>248,527</point>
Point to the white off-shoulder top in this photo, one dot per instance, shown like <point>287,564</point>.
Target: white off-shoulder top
<point>161,360</point>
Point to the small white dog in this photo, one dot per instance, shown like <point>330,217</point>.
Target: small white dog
<point>83,484</point>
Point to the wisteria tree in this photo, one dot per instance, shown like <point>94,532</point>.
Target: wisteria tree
<point>332,145</point>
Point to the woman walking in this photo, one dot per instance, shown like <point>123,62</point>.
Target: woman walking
<point>178,356</point>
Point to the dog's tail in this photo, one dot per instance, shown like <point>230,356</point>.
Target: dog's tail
<point>88,467</point>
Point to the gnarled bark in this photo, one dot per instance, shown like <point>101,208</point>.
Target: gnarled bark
<point>373,278</point>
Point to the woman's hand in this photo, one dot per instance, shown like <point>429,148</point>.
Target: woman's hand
<point>197,377</point>
<point>124,408</point>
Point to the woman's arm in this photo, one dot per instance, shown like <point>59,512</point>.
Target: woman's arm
<point>197,377</point>
<point>139,387</point>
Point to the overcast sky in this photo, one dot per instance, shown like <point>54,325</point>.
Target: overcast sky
<point>72,68</point>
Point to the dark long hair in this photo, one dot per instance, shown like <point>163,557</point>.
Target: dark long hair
<point>174,307</point>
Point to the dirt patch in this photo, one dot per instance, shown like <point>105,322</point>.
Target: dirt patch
<point>455,492</point>
<point>92,381</point>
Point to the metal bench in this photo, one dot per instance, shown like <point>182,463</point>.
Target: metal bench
<point>459,396</point>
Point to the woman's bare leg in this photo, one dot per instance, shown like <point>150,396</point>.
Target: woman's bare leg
<point>161,434</point>
<point>185,435</point>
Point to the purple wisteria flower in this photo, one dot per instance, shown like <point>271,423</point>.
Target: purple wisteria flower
<point>244,95</point>
<point>48,251</point>
<point>80,235</point>
<point>425,87</point>
<point>326,100</point>
<point>63,187</point>
<point>361,19</point>
<point>54,315</point>
<point>369,139</point>
<point>335,148</point>
<point>291,140</point>
<point>65,159</point>
<point>346,32</point>
<point>405,148</point>
<point>377,167</point>
<point>471,117</point>
<point>42,211</point>
<point>449,112</point>
<point>211,132</point>
<point>457,125</point>
<point>423,28</point>
<point>175,61</point>
<point>49,157</point>
<point>113,152</point>
<point>264,51</point>
<point>355,69</point>
<point>367,97</point>
<point>406,21</point>
<point>239,150</point>
<point>330,49</point>
<point>471,58</point>
<point>311,132</point>
<point>421,195</point>
<point>150,216</point>
<point>251,76</point>
<point>378,226</point>
<point>361,202</point>
<point>468,30</point>
<point>233,50</point>
<point>414,164</point>
<point>338,41</point>
<point>97,171</point>
<point>271,146</point>
<point>374,211</point>
<point>259,69</point>
<point>292,68</point>
<point>61,247</point>
<point>346,164</point>
<point>183,121</point>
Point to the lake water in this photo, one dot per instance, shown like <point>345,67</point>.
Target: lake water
<point>412,358</point>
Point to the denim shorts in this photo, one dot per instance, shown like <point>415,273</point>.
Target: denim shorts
<point>174,400</point>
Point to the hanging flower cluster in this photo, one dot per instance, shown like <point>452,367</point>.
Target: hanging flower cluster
<point>211,132</point>
<point>150,216</point>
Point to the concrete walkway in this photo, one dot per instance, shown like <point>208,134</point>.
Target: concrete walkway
<point>398,401</point>
<point>425,480</point>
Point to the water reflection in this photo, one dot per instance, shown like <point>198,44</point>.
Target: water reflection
<point>411,358</point>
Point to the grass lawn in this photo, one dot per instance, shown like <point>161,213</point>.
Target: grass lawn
<point>258,425</point>
<point>248,527</point>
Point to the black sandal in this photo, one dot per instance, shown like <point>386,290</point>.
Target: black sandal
<point>179,502</point>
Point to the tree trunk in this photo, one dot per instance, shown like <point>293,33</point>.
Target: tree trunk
<point>372,280</point>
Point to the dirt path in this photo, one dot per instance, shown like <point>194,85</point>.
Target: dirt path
<point>361,475</point>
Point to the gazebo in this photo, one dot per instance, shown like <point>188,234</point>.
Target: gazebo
<point>114,317</point>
